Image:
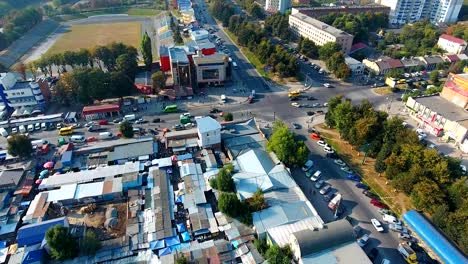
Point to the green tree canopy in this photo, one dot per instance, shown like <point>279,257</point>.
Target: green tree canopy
<point>159,80</point>
<point>146,52</point>
<point>223,181</point>
<point>19,145</point>
<point>90,243</point>
<point>126,129</point>
<point>228,116</point>
<point>62,245</point>
<point>328,49</point>
<point>229,204</point>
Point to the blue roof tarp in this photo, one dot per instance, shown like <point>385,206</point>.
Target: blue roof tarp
<point>179,199</point>
<point>35,233</point>
<point>181,227</point>
<point>164,251</point>
<point>434,238</point>
<point>201,232</point>
<point>157,244</point>
<point>34,256</point>
<point>185,236</point>
<point>2,244</point>
<point>171,241</point>
<point>184,156</point>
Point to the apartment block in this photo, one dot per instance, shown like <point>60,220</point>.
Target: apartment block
<point>317,12</point>
<point>273,6</point>
<point>317,31</point>
<point>15,94</point>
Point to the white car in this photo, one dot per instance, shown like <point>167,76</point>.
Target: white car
<point>316,176</point>
<point>14,130</point>
<point>322,143</point>
<point>421,134</point>
<point>339,162</point>
<point>377,225</point>
<point>327,85</point>
<point>90,123</point>
<point>362,241</point>
<point>328,149</point>
<point>346,169</point>
<point>296,104</point>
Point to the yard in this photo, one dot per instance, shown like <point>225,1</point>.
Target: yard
<point>88,36</point>
<point>397,201</point>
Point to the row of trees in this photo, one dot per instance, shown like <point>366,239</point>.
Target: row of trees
<point>256,40</point>
<point>334,59</point>
<point>290,150</point>
<point>433,182</point>
<point>113,57</point>
<point>175,30</point>
<point>16,23</point>
<point>358,25</point>
<point>458,30</point>
<point>253,8</point>
<point>308,48</point>
<point>222,10</point>
<point>229,203</point>
<point>277,25</point>
<point>417,39</point>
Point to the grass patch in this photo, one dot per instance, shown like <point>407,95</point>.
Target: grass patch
<point>87,36</point>
<point>383,90</point>
<point>397,201</point>
<point>143,12</point>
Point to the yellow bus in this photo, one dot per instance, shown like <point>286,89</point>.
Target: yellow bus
<point>294,94</point>
<point>65,131</point>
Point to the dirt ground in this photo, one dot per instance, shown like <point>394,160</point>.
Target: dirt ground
<point>398,202</point>
<point>98,218</point>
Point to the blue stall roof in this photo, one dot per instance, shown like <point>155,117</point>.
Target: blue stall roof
<point>67,158</point>
<point>445,249</point>
<point>35,233</point>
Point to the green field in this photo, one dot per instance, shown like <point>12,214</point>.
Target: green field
<point>143,12</point>
<point>88,36</point>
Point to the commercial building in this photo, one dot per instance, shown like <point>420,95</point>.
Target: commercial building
<point>319,32</point>
<point>94,112</point>
<point>209,132</point>
<point>451,44</point>
<point>410,11</point>
<point>211,70</point>
<point>356,67</point>
<point>456,90</point>
<point>273,6</point>
<point>16,94</point>
<point>317,12</point>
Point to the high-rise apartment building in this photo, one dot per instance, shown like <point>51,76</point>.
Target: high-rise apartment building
<point>410,11</point>
<point>274,6</point>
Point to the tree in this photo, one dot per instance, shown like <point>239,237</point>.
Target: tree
<point>228,116</point>
<point>278,255</point>
<point>19,145</point>
<point>223,181</point>
<point>127,64</point>
<point>120,84</point>
<point>427,195</point>
<point>182,260</point>
<point>284,144</point>
<point>62,245</point>
<point>145,48</point>
<point>229,204</point>
<point>159,81</point>
<point>90,243</point>
<point>126,129</point>
<point>328,49</point>
<point>434,77</point>
<point>257,201</point>
<point>309,49</point>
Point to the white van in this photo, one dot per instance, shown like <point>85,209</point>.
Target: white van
<point>3,132</point>
<point>390,219</point>
<point>30,128</point>
<point>129,117</point>
<point>105,135</point>
<point>39,143</point>
<point>43,126</point>
<point>77,139</point>
<point>22,129</point>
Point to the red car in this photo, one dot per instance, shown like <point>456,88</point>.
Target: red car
<point>91,139</point>
<point>103,122</point>
<point>315,136</point>
<point>378,204</point>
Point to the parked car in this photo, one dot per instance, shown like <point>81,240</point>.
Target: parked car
<point>378,203</point>
<point>296,125</point>
<point>328,149</point>
<point>328,85</point>
<point>103,122</point>
<point>156,120</point>
<point>311,98</point>
<point>310,113</point>
<point>339,162</point>
<point>90,123</point>
<point>322,143</point>
<point>377,225</point>
<point>371,195</point>
<point>406,237</point>
<point>346,169</point>
<point>214,110</point>
<point>384,211</point>
<point>353,177</point>
<point>178,127</point>
<point>362,241</point>
<point>319,184</point>
<point>14,130</point>
<point>316,176</point>
<point>362,186</point>
<point>308,165</point>
<point>315,136</point>
<point>329,196</point>
<point>296,104</point>
<point>325,189</point>
<point>398,228</point>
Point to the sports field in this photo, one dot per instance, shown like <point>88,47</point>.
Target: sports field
<point>90,35</point>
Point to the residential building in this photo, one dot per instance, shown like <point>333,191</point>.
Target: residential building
<point>211,70</point>
<point>356,67</point>
<point>456,90</point>
<point>317,12</point>
<point>16,94</point>
<point>319,32</point>
<point>412,64</point>
<point>410,11</point>
<point>273,6</point>
<point>209,132</point>
<point>451,44</point>
<point>382,66</point>
<point>431,61</point>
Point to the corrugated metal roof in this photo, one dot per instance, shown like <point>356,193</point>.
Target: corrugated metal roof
<point>35,233</point>
<point>280,235</point>
<point>89,190</point>
<point>207,124</point>
<point>131,151</point>
<point>66,192</point>
<point>162,204</point>
<point>348,253</point>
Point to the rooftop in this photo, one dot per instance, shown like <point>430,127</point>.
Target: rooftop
<point>320,25</point>
<point>10,177</point>
<point>135,149</point>
<point>443,107</point>
<point>347,253</point>
<point>234,130</point>
<point>210,59</point>
<point>351,61</point>
<point>101,108</point>
<point>35,233</point>
<point>207,124</point>
<point>178,55</point>
<point>280,235</point>
<point>453,39</point>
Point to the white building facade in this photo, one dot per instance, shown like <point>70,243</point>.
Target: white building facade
<point>410,11</point>
<point>16,94</point>
<point>317,31</point>
<point>451,44</point>
<point>274,6</point>
<point>356,67</point>
<point>209,132</point>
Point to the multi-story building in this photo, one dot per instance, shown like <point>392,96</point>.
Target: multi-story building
<point>409,11</point>
<point>274,6</point>
<point>356,67</point>
<point>317,12</point>
<point>15,94</point>
<point>451,44</point>
<point>211,69</point>
<point>456,90</point>
<point>209,132</point>
<point>319,32</point>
